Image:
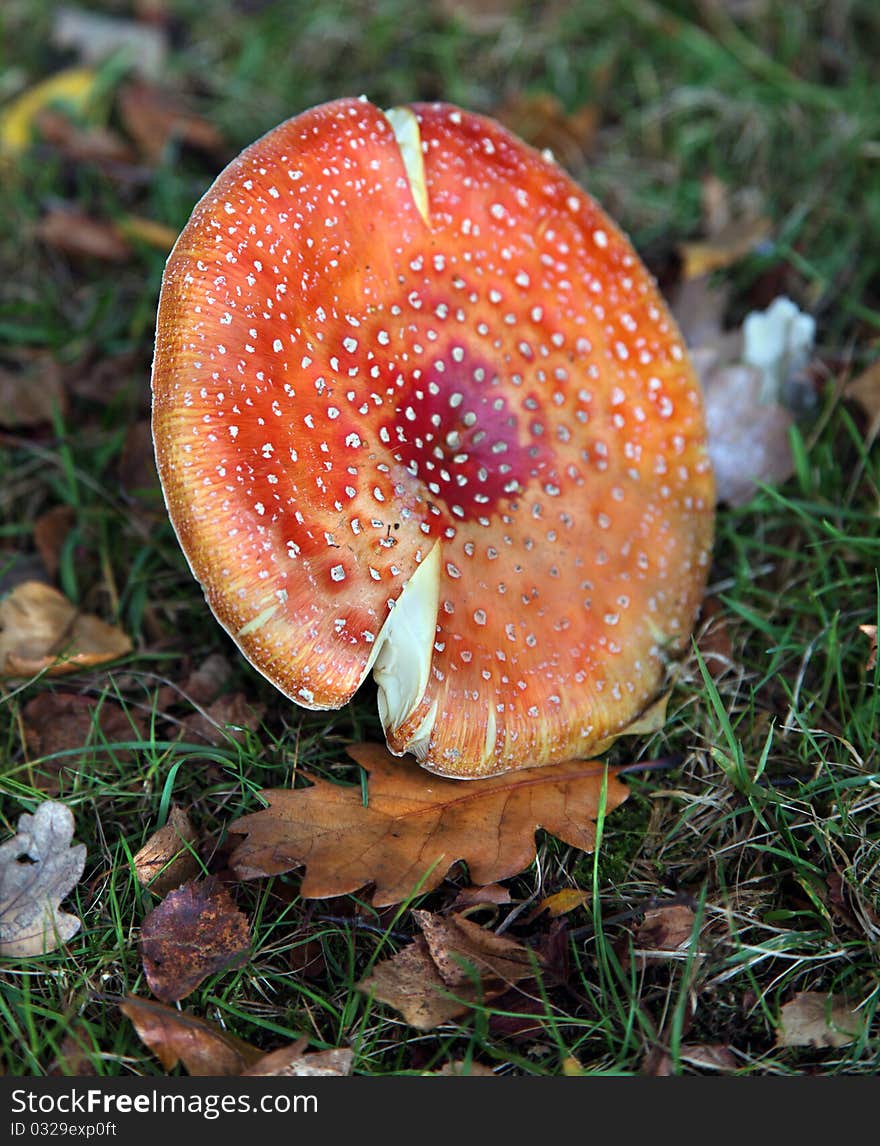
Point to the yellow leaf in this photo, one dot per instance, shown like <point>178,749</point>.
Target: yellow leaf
<point>73,87</point>
<point>561,902</point>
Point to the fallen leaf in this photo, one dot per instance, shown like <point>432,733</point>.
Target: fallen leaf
<point>175,1036</point>
<point>228,718</point>
<point>38,868</point>
<point>40,630</point>
<point>205,683</point>
<point>194,932</point>
<point>416,826</point>
<point>153,118</point>
<point>492,893</point>
<point>865,391</point>
<point>665,929</point>
<point>727,247</point>
<point>870,632</point>
<point>294,1062</point>
<point>50,532</point>
<point>75,233</point>
<point>76,1055</point>
<point>541,120</point>
<point>748,439</point>
<point>708,1056</point>
<point>147,231</point>
<point>168,857</point>
<point>95,37</point>
<point>814,1019</point>
<point>60,726</point>
<point>81,144</point>
<point>561,902</point>
<point>452,957</point>
<point>33,394</point>
<point>73,88</point>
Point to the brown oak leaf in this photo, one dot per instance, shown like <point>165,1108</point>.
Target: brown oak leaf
<point>194,932</point>
<point>415,825</point>
<point>453,964</point>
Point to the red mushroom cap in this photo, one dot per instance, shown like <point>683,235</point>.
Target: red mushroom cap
<point>419,408</point>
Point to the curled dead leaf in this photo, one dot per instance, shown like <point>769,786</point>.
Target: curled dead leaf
<point>168,857</point>
<point>153,118</point>
<point>38,868</point>
<point>541,120</point>
<point>50,532</point>
<point>295,1062</point>
<point>41,630</point>
<point>75,233</point>
<point>194,932</point>
<point>416,826</point>
<point>666,929</point>
<point>204,1048</point>
<point>814,1019</point>
<point>453,964</point>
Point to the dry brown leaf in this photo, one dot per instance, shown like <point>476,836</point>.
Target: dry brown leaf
<point>416,825</point>
<point>541,120</point>
<point>665,929</point>
<point>40,630</point>
<point>33,394</point>
<point>229,718</point>
<point>38,868</point>
<point>452,957</point>
<point>50,532</point>
<point>708,1056</point>
<point>153,117</point>
<point>294,1062</point>
<point>865,390</point>
<point>82,144</point>
<point>491,894</point>
<point>75,233</point>
<point>814,1019</point>
<point>870,632</point>
<point>194,932</point>
<point>61,725</point>
<point>205,683</point>
<point>168,857</point>
<point>175,1036</point>
<point>725,247</point>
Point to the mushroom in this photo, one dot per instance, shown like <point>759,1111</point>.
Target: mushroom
<point>419,409</point>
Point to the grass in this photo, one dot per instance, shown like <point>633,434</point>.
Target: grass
<point>769,826</point>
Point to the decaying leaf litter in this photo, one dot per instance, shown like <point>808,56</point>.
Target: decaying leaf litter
<point>707,775</point>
